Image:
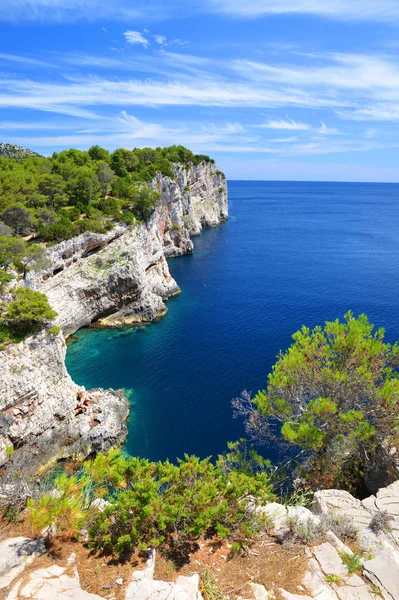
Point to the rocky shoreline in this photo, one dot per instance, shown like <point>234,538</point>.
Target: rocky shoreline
<point>113,279</point>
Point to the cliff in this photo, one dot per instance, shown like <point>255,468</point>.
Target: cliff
<point>122,277</point>
<point>118,278</point>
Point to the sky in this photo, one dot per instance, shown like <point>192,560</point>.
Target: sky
<point>272,89</point>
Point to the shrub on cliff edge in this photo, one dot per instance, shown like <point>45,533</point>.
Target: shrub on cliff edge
<point>332,399</point>
<point>29,311</point>
<point>155,504</point>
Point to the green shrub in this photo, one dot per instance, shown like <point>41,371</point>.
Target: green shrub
<point>331,400</point>
<point>154,504</point>
<point>352,561</point>
<point>210,587</point>
<point>48,195</point>
<point>5,279</point>
<point>29,311</point>
<point>9,451</point>
<point>54,330</point>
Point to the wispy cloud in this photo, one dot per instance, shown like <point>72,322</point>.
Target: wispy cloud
<point>127,10</point>
<point>358,10</point>
<point>24,60</point>
<point>161,40</point>
<point>76,10</point>
<point>324,130</point>
<point>288,124</point>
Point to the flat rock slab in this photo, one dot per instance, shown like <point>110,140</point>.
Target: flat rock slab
<point>383,571</point>
<point>329,560</point>
<point>343,504</point>
<point>15,554</point>
<point>51,584</point>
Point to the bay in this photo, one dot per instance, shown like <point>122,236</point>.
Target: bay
<point>290,254</point>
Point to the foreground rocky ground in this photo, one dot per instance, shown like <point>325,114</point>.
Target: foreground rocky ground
<point>306,554</point>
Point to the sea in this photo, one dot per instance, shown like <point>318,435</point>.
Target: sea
<point>291,254</point>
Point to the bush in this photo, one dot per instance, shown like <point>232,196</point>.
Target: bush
<point>304,531</point>
<point>342,525</point>
<point>155,504</point>
<point>331,401</point>
<point>353,561</point>
<point>29,311</point>
<point>54,330</point>
<point>381,522</point>
<point>5,279</point>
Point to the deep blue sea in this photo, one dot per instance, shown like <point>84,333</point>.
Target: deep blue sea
<point>290,254</point>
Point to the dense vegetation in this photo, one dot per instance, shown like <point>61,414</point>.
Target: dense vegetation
<point>73,191</point>
<point>157,504</point>
<point>332,398</point>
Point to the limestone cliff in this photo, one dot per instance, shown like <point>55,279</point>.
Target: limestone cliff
<point>45,416</point>
<point>120,277</point>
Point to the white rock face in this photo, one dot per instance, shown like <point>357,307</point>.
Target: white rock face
<point>144,587</point>
<point>44,415</point>
<point>122,277</point>
<point>15,555</point>
<point>382,568</point>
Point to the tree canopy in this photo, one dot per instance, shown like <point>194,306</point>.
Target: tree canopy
<point>61,196</point>
<point>29,311</point>
<point>333,397</point>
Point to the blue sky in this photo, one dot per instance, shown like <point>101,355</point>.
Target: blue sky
<point>272,89</point>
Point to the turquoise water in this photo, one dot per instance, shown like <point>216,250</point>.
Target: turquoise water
<point>290,254</point>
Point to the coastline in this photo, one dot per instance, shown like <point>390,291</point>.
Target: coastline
<point>116,279</point>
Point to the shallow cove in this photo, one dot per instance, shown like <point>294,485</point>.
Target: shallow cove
<point>290,254</point>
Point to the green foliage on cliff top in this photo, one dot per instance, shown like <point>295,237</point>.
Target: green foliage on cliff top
<point>72,191</point>
<point>333,396</point>
<point>155,504</point>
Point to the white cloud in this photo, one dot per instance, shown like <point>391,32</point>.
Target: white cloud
<point>25,60</point>
<point>376,112</point>
<point>129,10</point>
<point>324,130</point>
<point>135,37</point>
<point>96,91</point>
<point>286,140</point>
<point>289,124</point>
<point>358,10</point>
<point>160,39</point>
<point>60,11</point>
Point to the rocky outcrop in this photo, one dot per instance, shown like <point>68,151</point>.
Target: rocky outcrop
<point>197,198</point>
<point>376,520</point>
<point>57,582</point>
<point>45,416</point>
<point>117,278</point>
